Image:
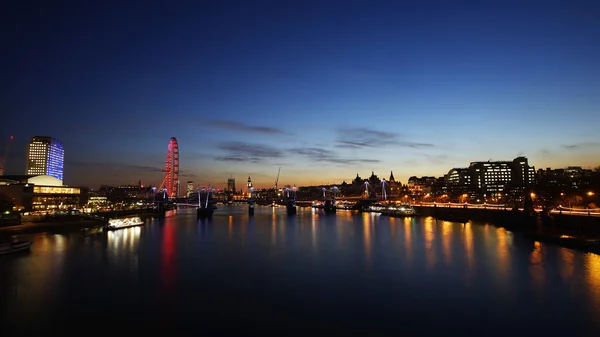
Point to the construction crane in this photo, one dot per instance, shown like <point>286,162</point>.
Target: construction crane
<point>277,180</point>
<point>3,158</point>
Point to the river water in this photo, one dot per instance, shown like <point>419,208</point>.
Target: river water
<point>309,274</point>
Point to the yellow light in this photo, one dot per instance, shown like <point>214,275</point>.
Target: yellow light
<point>590,193</point>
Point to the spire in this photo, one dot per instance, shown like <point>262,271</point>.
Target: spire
<point>392,177</point>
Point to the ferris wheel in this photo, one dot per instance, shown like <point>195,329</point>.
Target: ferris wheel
<point>171,179</point>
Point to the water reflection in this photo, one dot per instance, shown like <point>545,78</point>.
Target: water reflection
<point>429,246</point>
<point>503,253</point>
<point>566,263</point>
<point>446,241</point>
<point>313,230</point>
<point>168,256</point>
<point>366,217</point>
<point>408,238</point>
<point>469,251</point>
<point>210,276</point>
<point>536,268</point>
<point>123,240</point>
<point>273,228</point>
<point>592,278</point>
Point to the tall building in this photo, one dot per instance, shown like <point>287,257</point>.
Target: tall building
<point>190,187</point>
<point>45,156</point>
<point>231,185</point>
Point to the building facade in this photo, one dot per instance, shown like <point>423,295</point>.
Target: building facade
<point>41,193</point>
<point>45,156</point>
<point>231,185</point>
<point>491,180</point>
<point>190,188</point>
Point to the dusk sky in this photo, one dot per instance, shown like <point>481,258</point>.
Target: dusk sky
<point>324,89</point>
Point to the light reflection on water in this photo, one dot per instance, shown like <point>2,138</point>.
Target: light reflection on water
<point>312,260</point>
<point>504,257</point>
<point>430,252</point>
<point>469,252</point>
<point>446,240</point>
<point>592,277</point>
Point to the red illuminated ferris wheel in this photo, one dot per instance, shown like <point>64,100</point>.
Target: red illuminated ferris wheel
<point>171,180</point>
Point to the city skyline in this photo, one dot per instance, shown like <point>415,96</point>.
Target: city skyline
<point>339,89</point>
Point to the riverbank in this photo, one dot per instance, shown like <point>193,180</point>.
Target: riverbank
<point>54,226</point>
<point>574,232</point>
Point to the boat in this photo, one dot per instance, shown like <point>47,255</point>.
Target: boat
<point>400,211</point>
<point>124,223</point>
<point>14,247</point>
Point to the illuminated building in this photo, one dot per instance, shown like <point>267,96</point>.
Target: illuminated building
<point>491,179</point>
<point>43,193</point>
<point>190,187</point>
<point>45,156</point>
<point>231,185</point>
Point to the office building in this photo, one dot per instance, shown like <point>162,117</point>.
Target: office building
<point>492,179</point>
<point>45,156</point>
<point>190,187</point>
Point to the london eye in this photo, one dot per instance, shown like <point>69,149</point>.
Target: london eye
<point>171,180</point>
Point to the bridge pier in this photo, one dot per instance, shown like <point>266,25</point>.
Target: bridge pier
<point>251,208</point>
<point>204,212</point>
<point>329,206</point>
<point>291,207</point>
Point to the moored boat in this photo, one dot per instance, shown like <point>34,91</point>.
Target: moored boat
<point>124,223</point>
<point>400,211</point>
<point>14,247</point>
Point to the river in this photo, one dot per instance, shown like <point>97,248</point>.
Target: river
<point>309,274</point>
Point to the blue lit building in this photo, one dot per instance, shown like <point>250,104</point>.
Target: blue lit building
<point>45,156</point>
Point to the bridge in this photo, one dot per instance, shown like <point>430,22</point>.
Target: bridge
<point>595,212</point>
<point>503,207</point>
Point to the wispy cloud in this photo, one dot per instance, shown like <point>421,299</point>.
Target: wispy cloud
<point>437,158</point>
<point>322,155</point>
<point>247,152</point>
<point>580,145</point>
<point>356,138</point>
<point>115,166</point>
<point>186,174</point>
<point>237,126</point>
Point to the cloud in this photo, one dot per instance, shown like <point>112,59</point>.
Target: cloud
<point>185,174</point>
<point>580,145</point>
<point>246,152</point>
<point>138,168</point>
<point>323,155</point>
<point>113,166</point>
<point>238,159</point>
<point>437,158</point>
<point>356,138</point>
<point>231,125</point>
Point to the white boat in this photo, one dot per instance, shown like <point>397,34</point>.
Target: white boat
<point>399,211</point>
<point>124,223</point>
<point>14,247</point>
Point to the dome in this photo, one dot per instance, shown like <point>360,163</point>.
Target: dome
<point>44,180</point>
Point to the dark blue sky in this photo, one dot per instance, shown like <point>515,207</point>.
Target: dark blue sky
<point>324,89</point>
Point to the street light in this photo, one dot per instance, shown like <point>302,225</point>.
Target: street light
<point>590,193</point>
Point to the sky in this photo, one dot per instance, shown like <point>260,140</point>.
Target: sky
<point>322,89</point>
